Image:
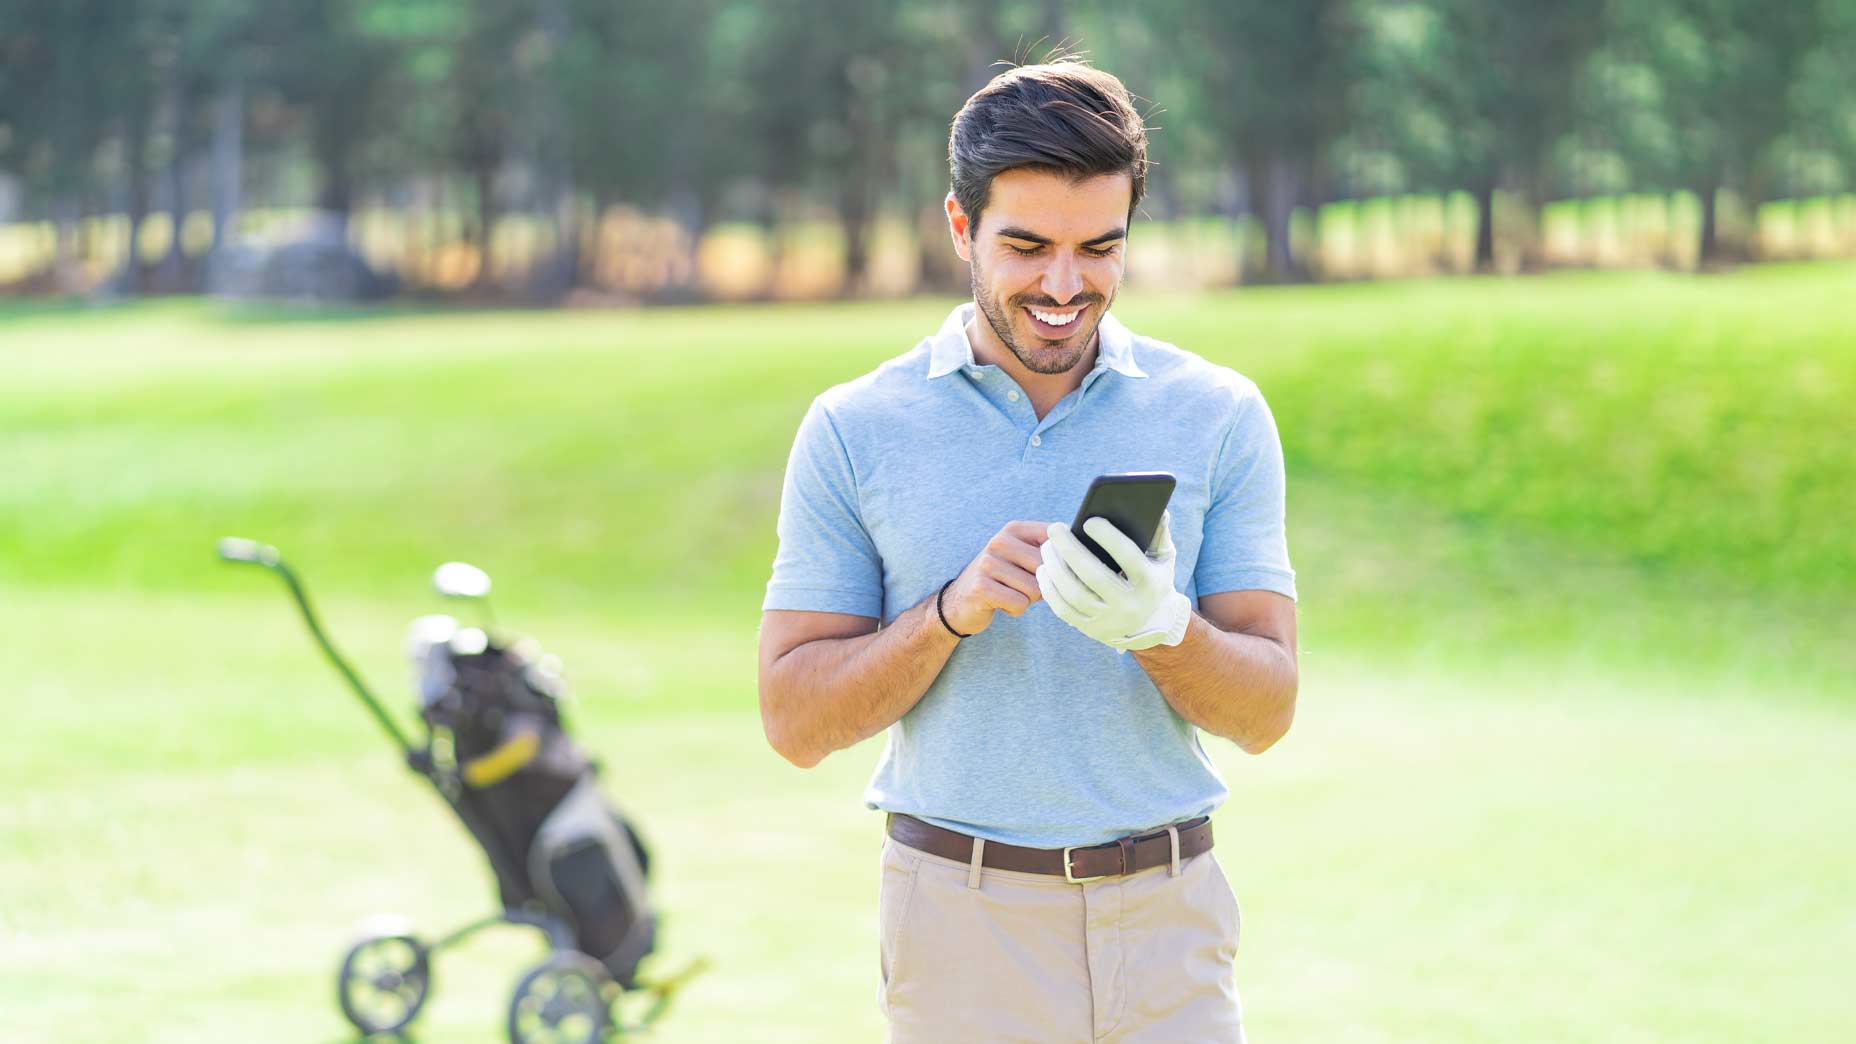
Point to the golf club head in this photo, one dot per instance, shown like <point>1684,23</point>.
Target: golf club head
<point>461,580</point>
<point>238,549</point>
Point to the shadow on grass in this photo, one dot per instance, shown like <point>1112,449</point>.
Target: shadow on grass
<point>244,313</point>
<point>263,313</point>
<point>19,309</point>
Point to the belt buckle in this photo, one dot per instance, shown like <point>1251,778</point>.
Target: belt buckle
<point>1069,875</point>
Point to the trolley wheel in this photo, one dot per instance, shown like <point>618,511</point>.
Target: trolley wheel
<point>383,982</point>
<point>566,999</point>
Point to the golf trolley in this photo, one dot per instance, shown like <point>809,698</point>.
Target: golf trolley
<point>565,862</point>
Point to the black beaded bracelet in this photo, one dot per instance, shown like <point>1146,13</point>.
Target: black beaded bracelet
<point>943,615</point>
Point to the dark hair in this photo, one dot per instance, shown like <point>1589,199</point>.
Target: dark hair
<point>1062,116</point>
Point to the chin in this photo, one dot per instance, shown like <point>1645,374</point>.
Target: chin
<point>1052,358</point>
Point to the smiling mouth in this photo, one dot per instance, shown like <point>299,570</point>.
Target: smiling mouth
<point>1055,324</point>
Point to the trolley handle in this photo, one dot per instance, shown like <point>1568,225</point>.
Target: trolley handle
<point>250,552</point>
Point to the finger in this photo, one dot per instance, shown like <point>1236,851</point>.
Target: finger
<point>1015,553</point>
<point>1055,573</point>
<point>1011,575</point>
<point>1033,533</point>
<point>1085,565</point>
<point>1133,560</point>
<point>1061,606</point>
<point>1163,535</point>
<point>1007,600</point>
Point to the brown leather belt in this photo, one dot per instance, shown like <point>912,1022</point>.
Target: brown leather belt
<point>1075,864</point>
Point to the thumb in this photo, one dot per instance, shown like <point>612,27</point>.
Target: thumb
<point>1161,547</point>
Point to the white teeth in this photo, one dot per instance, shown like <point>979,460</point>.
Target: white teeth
<point>1053,319</point>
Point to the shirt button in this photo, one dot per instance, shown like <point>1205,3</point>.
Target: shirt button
<point>1012,395</point>
<point>1035,441</point>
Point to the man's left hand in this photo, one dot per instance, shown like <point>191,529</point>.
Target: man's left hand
<point>1139,611</point>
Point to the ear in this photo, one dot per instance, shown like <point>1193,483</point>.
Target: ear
<point>960,228</point>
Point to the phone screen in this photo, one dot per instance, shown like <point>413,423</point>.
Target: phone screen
<point>1133,502</point>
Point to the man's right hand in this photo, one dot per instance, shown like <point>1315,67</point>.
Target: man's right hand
<point>1004,578</point>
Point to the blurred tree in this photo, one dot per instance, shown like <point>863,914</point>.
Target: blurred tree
<point>1272,79</point>
<point>336,59</point>
<point>76,76</point>
<point>647,89</point>
<point>829,106</point>
<point>790,110</point>
<point>1824,94</point>
<point>1704,91</point>
<point>1504,78</point>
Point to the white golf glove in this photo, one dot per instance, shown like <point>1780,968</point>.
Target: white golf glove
<point>1138,612</point>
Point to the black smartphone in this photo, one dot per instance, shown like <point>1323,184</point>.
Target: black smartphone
<point>1132,502</point>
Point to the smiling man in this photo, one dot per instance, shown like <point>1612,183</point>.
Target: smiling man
<point>1047,873</point>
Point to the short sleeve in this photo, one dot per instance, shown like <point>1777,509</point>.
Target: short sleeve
<point>1245,547</point>
<point>826,561</point>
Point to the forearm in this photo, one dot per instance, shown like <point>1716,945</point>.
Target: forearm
<point>1239,686</point>
<point>831,693</point>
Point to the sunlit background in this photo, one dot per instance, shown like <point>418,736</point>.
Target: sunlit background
<point>1552,303</point>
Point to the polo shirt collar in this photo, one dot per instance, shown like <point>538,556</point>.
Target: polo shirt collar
<point>949,350</point>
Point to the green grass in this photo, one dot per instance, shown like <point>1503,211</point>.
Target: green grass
<point>1576,693</point>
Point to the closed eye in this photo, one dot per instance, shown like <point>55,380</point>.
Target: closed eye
<point>1104,252</point>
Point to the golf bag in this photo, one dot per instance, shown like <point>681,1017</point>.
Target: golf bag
<point>528,793</point>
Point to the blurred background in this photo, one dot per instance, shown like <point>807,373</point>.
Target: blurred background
<point>529,149</point>
<point>1553,305</point>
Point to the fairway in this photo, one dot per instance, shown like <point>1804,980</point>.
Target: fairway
<point>1570,760</point>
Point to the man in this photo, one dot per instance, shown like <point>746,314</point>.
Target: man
<point>1047,875</point>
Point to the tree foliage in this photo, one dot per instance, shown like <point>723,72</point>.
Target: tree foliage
<point>775,110</point>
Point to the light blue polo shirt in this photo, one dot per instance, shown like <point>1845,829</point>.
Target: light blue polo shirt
<point>1033,734</point>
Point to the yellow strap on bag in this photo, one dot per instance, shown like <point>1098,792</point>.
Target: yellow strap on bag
<point>503,762</point>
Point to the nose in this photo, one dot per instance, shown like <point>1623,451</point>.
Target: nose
<point>1063,279</point>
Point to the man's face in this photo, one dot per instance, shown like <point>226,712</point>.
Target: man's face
<point>1047,261</point>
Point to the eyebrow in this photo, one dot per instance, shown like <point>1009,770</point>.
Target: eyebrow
<point>1014,232</point>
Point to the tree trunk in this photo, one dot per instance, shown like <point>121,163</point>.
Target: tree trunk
<point>594,241</point>
<point>854,214</point>
<point>1312,193</point>
<point>938,268</point>
<point>553,152</point>
<point>484,177</point>
<point>776,243</point>
<point>863,166</point>
<point>228,160</point>
<point>1751,244</point>
<point>695,226</point>
<point>1533,227</point>
<point>335,197</point>
<point>137,146</point>
<point>1237,207</point>
<point>65,250</point>
<point>1485,227</point>
<point>1709,252</point>
<point>172,279</point>
<point>1279,191</point>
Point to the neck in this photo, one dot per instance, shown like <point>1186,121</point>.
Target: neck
<point>1043,388</point>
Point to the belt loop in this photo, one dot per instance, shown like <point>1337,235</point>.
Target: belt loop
<point>1172,833</point>
<point>973,867</point>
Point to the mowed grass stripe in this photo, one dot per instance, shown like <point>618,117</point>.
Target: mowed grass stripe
<point>1694,425</point>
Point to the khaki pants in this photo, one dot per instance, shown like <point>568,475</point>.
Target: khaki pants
<point>978,957</point>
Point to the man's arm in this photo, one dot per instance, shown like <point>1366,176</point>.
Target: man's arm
<point>829,680</point>
<point>1235,674</point>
